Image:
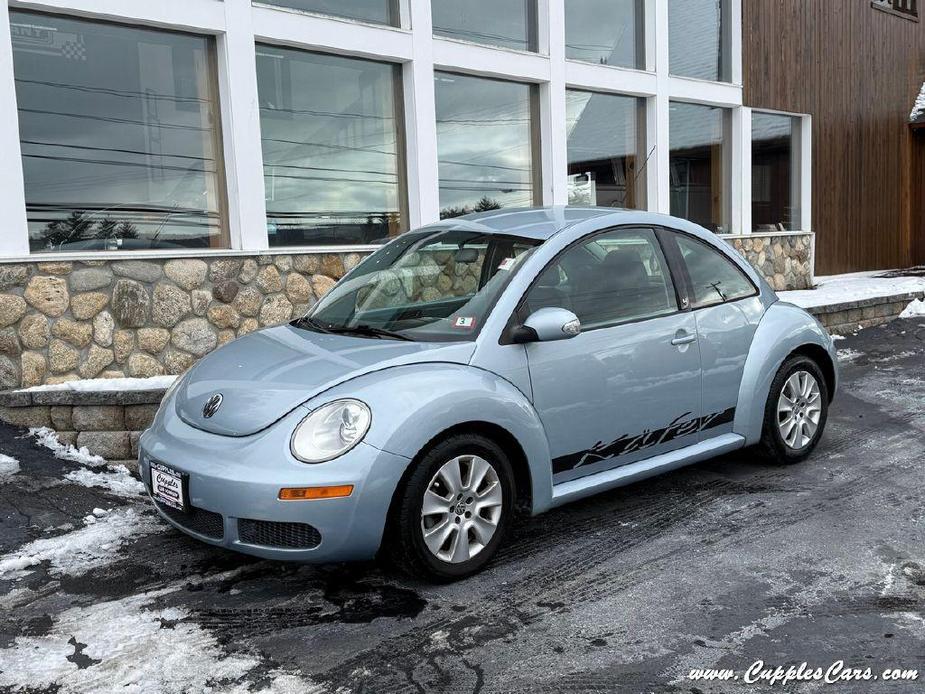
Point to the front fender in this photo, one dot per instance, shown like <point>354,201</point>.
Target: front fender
<point>783,329</point>
<point>412,404</point>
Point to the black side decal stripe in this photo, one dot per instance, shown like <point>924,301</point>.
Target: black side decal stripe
<point>682,425</point>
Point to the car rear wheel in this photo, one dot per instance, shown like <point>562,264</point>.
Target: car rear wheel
<point>454,509</point>
<point>796,411</point>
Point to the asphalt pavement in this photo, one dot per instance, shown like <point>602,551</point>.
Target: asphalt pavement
<point>713,567</point>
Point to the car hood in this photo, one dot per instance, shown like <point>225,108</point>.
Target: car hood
<point>265,375</point>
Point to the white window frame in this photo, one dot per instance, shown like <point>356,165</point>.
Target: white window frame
<point>802,142</point>
<point>239,25</point>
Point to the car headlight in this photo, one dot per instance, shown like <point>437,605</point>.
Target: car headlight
<point>330,431</point>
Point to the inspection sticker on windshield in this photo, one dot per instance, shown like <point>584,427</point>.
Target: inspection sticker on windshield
<point>507,263</point>
<point>464,322</point>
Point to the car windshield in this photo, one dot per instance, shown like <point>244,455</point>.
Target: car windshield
<point>429,285</point>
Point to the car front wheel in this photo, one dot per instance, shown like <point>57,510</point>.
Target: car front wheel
<point>454,509</point>
<point>796,411</point>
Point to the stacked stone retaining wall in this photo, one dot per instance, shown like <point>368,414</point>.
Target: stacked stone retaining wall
<point>851,316</point>
<point>785,259</point>
<point>62,320</point>
<point>65,320</point>
<point>108,423</point>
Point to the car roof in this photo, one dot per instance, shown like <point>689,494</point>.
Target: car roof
<point>531,222</point>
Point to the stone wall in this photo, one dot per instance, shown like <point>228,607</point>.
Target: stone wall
<point>851,316</point>
<point>64,320</point>
<point>108,423</point>
<point>785,259</point>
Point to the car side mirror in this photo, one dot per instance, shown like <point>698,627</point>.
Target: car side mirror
<point>546,325</point>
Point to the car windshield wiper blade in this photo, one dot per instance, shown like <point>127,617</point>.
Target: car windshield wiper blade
<point>368,330</point>
<point>311,323</point>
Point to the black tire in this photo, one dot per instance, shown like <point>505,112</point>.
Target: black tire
<point>405,546</point>
<point>773,445</point>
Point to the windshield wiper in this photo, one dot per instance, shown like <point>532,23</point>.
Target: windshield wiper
<point>368,330</point>
<point>312,324</point>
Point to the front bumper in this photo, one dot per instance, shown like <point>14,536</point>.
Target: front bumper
<point>234,483</point>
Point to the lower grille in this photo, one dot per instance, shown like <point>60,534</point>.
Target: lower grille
<point>284,535</point>
<point>198,520</point>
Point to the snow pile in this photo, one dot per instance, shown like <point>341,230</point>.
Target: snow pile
<point>79,551</point>
<point>8,467</point>
<point>127,650</point>
<point>916,308</point>
<point>918,108</point>
<point>118,480</point>
<point>123,646</point>
<point>106,385</point>
<point>839,289</point>
<point>65,451</point>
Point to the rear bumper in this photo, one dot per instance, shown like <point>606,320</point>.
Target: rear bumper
<point>234,483</point>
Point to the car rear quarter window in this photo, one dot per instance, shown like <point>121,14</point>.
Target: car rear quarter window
<point>714,278</point>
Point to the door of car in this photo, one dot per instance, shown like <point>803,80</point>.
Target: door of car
<point>628,386</point>
<point>725,304</point>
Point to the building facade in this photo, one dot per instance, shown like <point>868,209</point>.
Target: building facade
<point>186,171</point>
<point>857,67</point>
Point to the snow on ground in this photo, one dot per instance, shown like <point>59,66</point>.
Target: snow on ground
<point>121,645</point>
<point>841,288</point>
<point>133,645</point>
<point>49,438</point>
<point>118,480</point>
<point>916,308</point>
<point>93,545</point>
<point>106,384</point>
<point>8,467</point>
<point>848,354</point>
<point>115,478</point>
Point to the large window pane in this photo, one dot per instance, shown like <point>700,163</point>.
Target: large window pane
<point>377,11</point>
<point>609,32</point>
<point>606,160</point>
<point>484,143</point>
<point>775,172</point>
<point>332,153</point>
<point>699,182</point>
<point>505,23</point>
<point>120,135</point>
<point>697,44</point>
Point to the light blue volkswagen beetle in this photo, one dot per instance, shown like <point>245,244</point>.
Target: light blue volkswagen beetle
<point>479,367</point>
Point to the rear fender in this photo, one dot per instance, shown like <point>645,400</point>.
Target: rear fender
<point>783,329</point>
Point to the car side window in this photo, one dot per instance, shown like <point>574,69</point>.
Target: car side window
<point>615,277</point>
<point>714,278</point>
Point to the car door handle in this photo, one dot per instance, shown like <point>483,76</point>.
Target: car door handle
<point>684,339</point>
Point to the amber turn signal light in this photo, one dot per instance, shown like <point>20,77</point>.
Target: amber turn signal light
<point>309,493</point>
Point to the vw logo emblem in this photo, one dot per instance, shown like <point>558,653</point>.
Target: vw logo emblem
<point>212,405</point>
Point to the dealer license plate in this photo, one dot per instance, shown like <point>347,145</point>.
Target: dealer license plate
<point>167,486</point>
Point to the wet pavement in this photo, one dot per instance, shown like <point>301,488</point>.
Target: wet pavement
<point>716,566</point>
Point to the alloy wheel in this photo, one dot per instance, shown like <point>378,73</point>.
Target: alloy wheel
<point>461,508</point>
<point>799,409</point>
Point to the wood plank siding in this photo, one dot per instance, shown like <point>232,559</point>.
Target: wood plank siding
<point>857,70</point>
